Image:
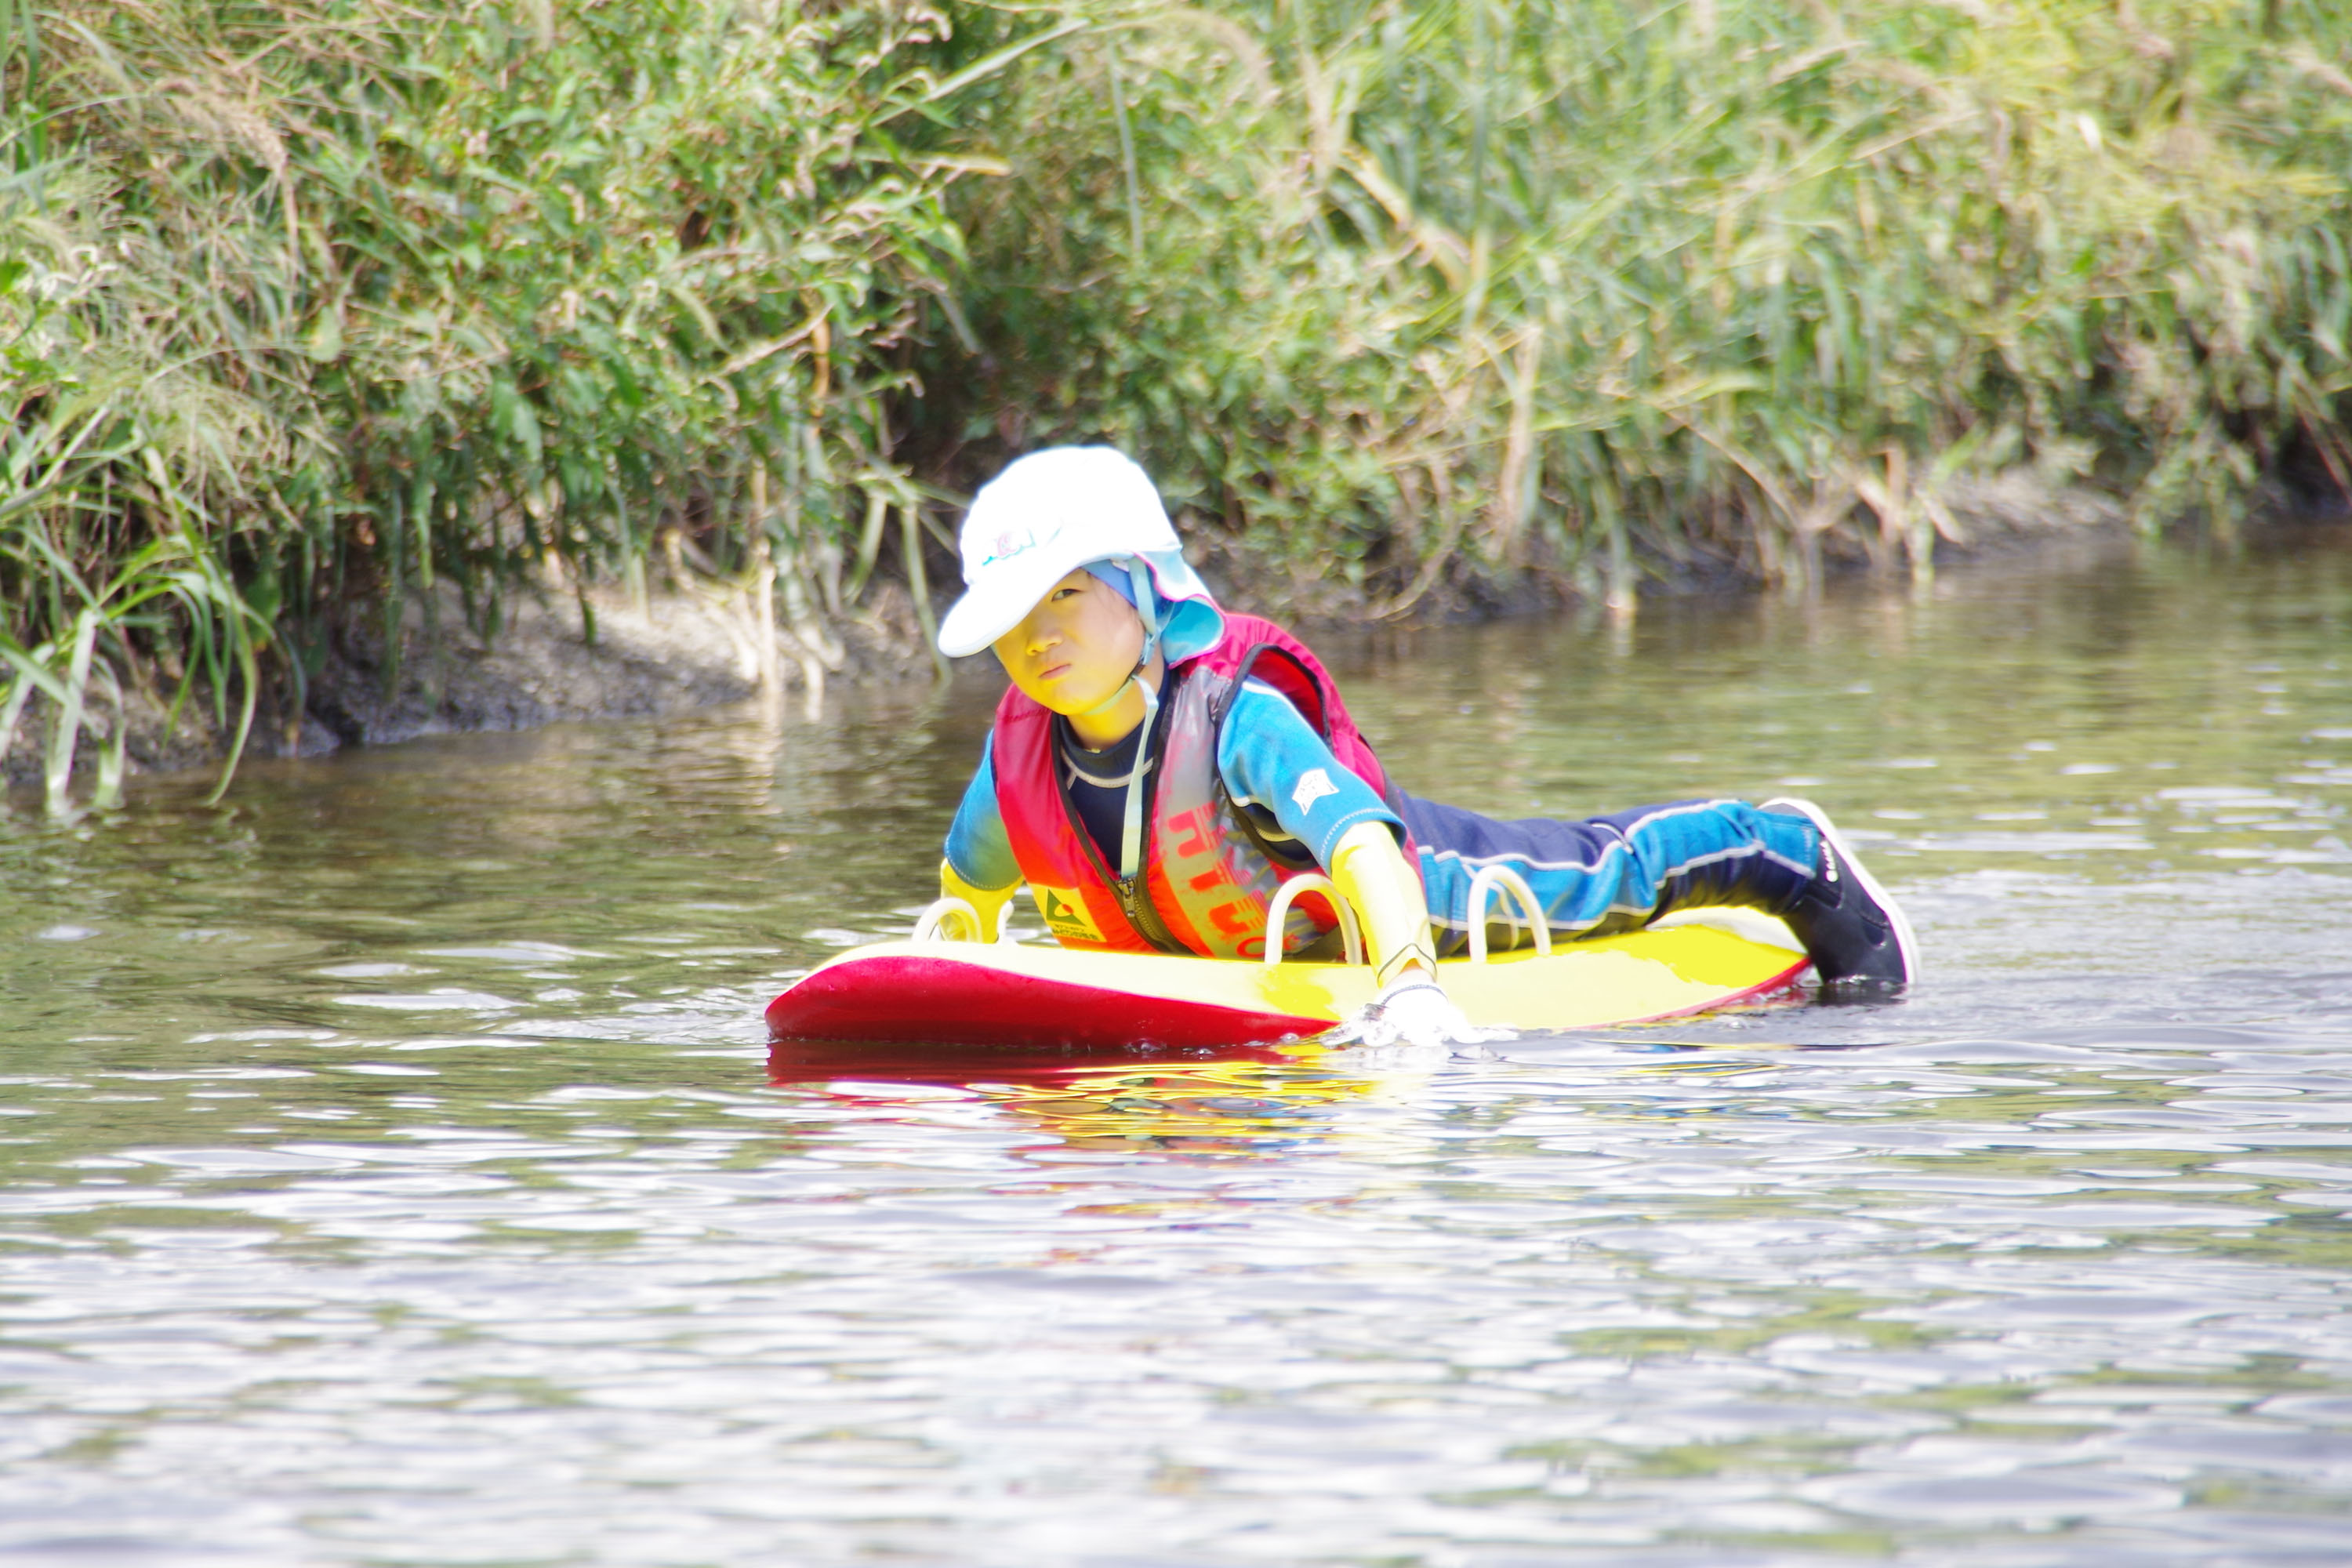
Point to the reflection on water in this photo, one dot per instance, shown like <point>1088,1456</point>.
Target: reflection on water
<point>1238,1108</point>
<point>392,1170</point>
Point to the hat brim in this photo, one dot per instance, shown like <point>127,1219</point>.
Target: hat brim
<point>999,602</point>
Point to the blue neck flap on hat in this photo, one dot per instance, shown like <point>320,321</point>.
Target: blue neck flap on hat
<point>1187,627</point>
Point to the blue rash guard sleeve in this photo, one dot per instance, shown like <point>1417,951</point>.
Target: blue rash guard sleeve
<point>1274,763</point>
<point>978,847</point>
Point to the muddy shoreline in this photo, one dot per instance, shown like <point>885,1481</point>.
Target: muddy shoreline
<point>566,653</point>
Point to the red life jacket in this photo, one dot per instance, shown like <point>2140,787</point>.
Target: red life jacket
<point>1207,881</point>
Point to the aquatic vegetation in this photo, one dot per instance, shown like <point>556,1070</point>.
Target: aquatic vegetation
<point>348,297</point>
<point>392,294</point>
<point>175,589</point>
<point>1467,288</point>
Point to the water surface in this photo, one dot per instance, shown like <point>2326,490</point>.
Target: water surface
<point>392,1169</point>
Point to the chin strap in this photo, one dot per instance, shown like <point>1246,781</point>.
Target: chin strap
<point>1130,832</point>
<point>1147,608</point>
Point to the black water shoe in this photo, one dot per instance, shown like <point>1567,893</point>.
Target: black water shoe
<point>1855,934</point>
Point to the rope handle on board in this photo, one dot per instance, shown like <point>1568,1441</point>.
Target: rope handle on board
<point>942,914</point>
<point>1483,887</point>
<point>1350,933</point>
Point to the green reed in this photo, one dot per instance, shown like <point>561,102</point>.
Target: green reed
<point>1477,288</point>
<point>328,301</point>
<point>383,294</point>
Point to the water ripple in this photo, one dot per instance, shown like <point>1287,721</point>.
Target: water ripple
<point>394,1170</point>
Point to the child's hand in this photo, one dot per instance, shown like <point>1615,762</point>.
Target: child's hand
<point>1413,1010</point>
<point>989,904</point>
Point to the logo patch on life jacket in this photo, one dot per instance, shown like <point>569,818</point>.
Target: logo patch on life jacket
<point>1065,914</point>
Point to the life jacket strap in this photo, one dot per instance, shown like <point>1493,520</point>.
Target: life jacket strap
<point>1147,609</point>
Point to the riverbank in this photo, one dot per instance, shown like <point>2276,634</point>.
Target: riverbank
<point>2009,514</point>
<point>584,653</point>
<point>1456,313</point>
<point>563,651</point>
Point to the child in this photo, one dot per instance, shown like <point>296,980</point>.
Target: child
<point>1160,767</point>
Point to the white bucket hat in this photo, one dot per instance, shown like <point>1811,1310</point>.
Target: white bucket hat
<point>1053,511</point>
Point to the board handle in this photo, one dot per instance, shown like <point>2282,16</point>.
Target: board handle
<point>1350,933</point>
<point>940,914</point>
<point>1483,887</point>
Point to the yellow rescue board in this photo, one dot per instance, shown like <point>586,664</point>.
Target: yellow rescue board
<point>1019,993</point>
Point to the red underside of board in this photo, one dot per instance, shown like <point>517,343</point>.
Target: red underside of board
<point>903,1000</point>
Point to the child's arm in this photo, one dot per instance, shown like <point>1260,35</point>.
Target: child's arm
<point>1273,760</point>
<point>1371,874</point>
<point>979,868</point>
<point>1411,1006</point>
<point>1277,767</point>
<point>987,902</point>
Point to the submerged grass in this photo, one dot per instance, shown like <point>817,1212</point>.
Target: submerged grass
<point>309,303</point>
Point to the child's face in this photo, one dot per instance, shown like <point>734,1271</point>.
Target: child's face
<point>1077,648</point>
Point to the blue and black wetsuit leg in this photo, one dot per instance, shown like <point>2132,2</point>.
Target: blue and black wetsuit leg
<point>1612,873</point>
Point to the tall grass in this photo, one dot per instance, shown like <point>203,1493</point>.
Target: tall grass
<point>315,304</point>
<point>1474,286</point>
<point>383,294</point>
<point>97,603</point>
